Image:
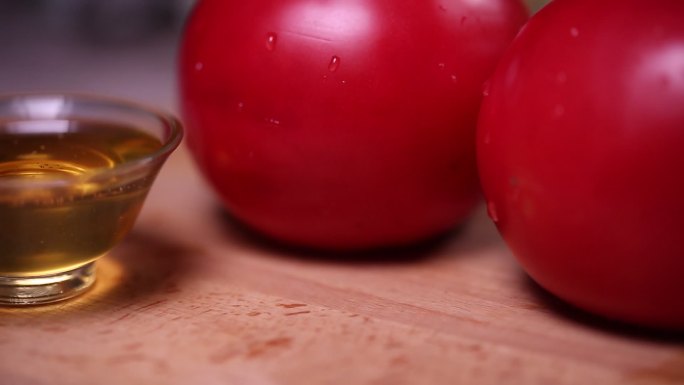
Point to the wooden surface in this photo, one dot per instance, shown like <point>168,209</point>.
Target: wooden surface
<point>190,298</point>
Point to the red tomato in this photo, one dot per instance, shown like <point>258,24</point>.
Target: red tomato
<point>346,123</point>
<point>581,155</point>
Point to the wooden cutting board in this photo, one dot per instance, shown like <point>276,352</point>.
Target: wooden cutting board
<point>190,298</point>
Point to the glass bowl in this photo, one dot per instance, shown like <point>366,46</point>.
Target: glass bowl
<point>74,173</point>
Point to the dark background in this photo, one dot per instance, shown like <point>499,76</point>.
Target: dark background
<point>125,48</point>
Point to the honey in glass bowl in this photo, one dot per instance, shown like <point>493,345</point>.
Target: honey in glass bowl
<point>74,173</point>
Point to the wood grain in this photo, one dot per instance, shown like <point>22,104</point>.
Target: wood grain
<point>191,297</point>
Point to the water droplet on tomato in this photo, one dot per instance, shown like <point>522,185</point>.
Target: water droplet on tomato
<point>271,40</point>
<point>442,8</point>
<point>454,78</point>
<point>485,88</point>
<point>274,121</point>
<point>334,64</point>
<point>441,65</point>
<point>574,32</point>
<point>241,106</point>
<point>491,211</point>
<point>199,66</point>
<point>463,20</point>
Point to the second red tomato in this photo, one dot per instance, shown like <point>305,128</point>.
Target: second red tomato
<point>580,153</point>
<point>342,124</point>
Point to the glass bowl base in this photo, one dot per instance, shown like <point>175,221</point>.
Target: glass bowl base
<point>36,290</point>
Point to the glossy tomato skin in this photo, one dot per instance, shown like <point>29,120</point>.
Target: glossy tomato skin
<point>580,151</point>
<point>342,124</point>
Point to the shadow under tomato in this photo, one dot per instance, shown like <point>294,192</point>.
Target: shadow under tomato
<point>577,315</point>
<point>473,234</point>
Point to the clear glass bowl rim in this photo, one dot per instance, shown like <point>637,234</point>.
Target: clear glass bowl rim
<point>171,140</point>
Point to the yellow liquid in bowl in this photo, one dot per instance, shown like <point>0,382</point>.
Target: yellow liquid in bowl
<point>45,230</point>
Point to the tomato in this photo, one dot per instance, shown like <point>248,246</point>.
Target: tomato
<point>580,151</point>
<point>342,124</point>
